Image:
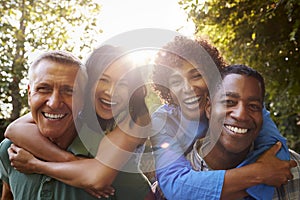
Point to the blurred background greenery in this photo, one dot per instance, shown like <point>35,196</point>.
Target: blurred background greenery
<point>261,34</point>
<point>264,35</point>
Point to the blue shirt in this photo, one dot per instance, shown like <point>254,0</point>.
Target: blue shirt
<point>173,136</point>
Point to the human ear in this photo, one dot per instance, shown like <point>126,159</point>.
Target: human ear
<point>208,107</point>
<point>28,94</point>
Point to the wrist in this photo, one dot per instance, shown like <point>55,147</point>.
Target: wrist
<point>258,173</point>
<point>36,166</point>
<point>70,157</point>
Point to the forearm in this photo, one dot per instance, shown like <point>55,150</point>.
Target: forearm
<point>116,148</point>
<point>261,177</point>
<point>85,173</point>
<point>237,180</point>
<point>25,134</point>
<point>6,192</point>
<point>178,179</point>
<point>114,151</point>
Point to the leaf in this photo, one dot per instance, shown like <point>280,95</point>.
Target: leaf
<point>47,25</point>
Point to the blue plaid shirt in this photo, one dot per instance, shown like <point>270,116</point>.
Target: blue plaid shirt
<point>290,191</point>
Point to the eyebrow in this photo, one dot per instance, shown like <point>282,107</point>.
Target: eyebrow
<point>255,99</point>
<point>194,71</point>
<point>236,95</point>
<point>103,75</point>
<point>175,75</point>
<point>124,79</point>
<point>68,86</point>
<point>230,94</point>
<point>41,83</point>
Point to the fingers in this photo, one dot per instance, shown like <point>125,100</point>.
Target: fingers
<point>103,193</point>
<point>91,192</point>
<point>274,149</point>
<point>11,153</point>
<point>293,163</point>
<point>11,149</point>
<point>14,147</point>
<point>110,190</point>
<point>107,192</point>
<point>290,177</point>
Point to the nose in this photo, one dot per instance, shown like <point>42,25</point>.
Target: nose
<point>55,100</point>
<point>240,113</point>
<point>187,87</point>
<point>109,89</point>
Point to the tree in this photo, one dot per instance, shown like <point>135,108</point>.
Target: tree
<point>266,36</point>
<point>29,25</point>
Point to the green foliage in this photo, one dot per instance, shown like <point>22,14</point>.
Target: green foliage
<point>31,25</point>
<point>266,36</point>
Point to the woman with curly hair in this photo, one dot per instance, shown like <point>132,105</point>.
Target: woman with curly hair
<point>184,74</point>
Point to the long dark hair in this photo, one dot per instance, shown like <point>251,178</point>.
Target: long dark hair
<point>99,60</point>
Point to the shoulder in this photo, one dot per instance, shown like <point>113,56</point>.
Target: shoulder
<point>166,110</point>
<point>295,156</point>
<point>4,145</point>
<point>164,116</point>
<point>295,170</point>
<point>4,159</point>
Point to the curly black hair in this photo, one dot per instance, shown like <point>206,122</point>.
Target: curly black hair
<point>198,52</point>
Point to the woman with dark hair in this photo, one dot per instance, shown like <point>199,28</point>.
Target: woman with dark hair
<point>114,114</point>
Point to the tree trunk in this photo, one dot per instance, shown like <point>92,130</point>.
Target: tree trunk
<point>18,67</point>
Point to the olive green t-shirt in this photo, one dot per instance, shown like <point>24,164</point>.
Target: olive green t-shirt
<point>128,185</point>
<point>36,186</point>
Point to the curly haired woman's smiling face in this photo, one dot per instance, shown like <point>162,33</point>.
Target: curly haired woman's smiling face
<point>189,90</point>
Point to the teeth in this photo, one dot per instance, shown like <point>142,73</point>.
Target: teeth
<point>54,116</point>
<point>237,130</point>
<point>108,102</point>
<point>191,100</point>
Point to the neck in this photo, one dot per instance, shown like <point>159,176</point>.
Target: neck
<point>219,158</point>
<point>106,124</point>
<point>66,139</point>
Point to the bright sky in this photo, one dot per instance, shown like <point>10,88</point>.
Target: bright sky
<point>118,16</point>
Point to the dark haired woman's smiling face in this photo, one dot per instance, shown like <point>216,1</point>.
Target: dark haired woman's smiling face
<point>111,94</point>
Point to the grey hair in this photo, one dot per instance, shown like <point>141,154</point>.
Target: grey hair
<point>62,57</point>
